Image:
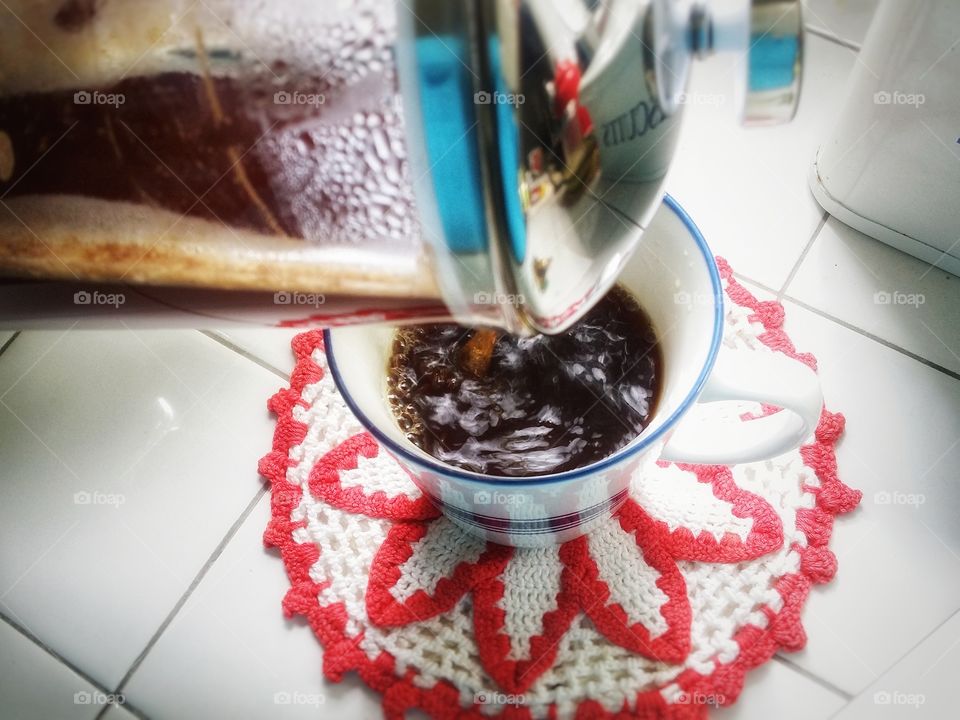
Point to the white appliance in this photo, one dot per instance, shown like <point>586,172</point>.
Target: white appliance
<point>891,168</point>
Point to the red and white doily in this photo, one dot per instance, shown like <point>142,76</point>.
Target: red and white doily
<point>659,613</point>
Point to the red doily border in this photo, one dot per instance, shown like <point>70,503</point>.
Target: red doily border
<point>342,654</point>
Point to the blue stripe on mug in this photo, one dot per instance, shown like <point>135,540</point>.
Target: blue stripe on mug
<point>531,527</point>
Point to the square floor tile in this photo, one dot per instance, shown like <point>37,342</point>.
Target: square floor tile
<point>899,553</point>
<point>847,19</point>
<point>884,291</point>
<point>231,653</point>
<point>127,457</point>
<point>35,685</point>
<point>747,188</point>
<point>923,685</point>
<point>777,691</point>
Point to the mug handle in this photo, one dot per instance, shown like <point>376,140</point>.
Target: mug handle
<point>772,379</point>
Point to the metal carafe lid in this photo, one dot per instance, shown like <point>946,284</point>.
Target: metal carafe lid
<point>540,132</point>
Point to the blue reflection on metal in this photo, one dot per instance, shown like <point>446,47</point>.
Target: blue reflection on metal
<point>446,94</point>
<point>772,62</point>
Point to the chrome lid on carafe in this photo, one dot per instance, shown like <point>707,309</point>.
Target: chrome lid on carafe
<point>540,133</point>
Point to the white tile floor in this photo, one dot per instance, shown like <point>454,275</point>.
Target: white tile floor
<point>131,510</point>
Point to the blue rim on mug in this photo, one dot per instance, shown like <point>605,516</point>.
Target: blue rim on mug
<point>615,458</point>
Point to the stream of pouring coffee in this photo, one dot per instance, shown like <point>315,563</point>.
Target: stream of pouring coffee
<point>476,354</point>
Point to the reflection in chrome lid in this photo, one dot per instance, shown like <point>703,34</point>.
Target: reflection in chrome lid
<point>546,131</point>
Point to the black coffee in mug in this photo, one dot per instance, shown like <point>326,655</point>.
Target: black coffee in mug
<point>543,405</point>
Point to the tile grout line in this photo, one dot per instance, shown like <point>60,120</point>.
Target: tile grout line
<point>803,255</point>
<point>214,556</point>
<point>760,285</point>
<point>33,639</point>
<point>875,338</point>
<point>825,684</point>
<point>132,709</point>
<point>832,37</point>
<point>244,353</point>
<point>9,342</point>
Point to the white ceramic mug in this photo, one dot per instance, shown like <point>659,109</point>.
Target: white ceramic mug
<point>675,279</point>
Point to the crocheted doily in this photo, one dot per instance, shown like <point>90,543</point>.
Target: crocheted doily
<point>659,613</point>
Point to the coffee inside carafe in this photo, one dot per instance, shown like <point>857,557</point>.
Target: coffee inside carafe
<point>239,133</point>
